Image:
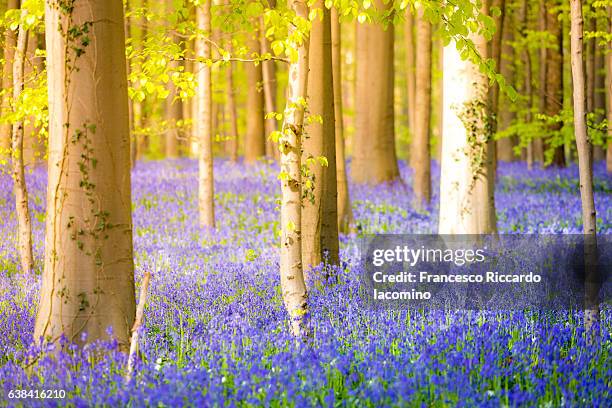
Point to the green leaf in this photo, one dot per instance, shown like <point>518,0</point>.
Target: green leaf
<point>278,47</point>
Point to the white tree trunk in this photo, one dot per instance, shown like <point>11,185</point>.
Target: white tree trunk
<point>293,286</point>
<point>466,185</point>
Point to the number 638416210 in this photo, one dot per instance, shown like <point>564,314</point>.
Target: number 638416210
<point>37,394</point>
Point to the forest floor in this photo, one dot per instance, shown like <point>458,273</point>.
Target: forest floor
<point>216,331</point>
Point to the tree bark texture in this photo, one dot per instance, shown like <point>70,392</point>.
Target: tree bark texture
<point>320,212</point>
<point>345,212</point>
<point>467,204</point>
<point>293,286</point>
<point>420,151</point>
<point>24,223</point>
<point>374,154</point>
<point>203,121</point>
<point>255,139</point>
<point>88,279</point>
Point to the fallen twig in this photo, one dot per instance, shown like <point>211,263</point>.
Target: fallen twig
<point>137,323</point>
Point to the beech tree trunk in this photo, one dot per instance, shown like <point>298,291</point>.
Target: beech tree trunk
<point>10,40</point>
<point>128,69</point>
<point>293,286</point>
<point>420,151</point>
<point>173,113</point>
<point>538,145</point>
<point>255,141</point>
<point>589,57</point>
<point>203,131</point>
<point>585,163</point>
<point>268,69</point>
<point>233,117</point>
<point>320,212</point>
<point>186,141</point>
<point>609,95</point>
<point>505,113</point>
<point>527,82</point>
<point>135,106</point>
<point>139,139</point>
<point>554,75</point>
<point>374,155</point>
<point>173,106</point>
<point>410,68</point>
<point>467,204</point>
<point>599,96</point>
<point>33,146</point>
<point>22,210</point>
<point>438,97</point>
<point>345,212</point>
<point>88,279</point>
<point>583,144</point>
<point>494,50</point>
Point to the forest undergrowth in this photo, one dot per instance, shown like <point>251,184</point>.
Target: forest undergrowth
<point>216,332</point>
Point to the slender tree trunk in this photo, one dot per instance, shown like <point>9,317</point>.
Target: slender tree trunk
<point>495,52</point>
<point>10,40</point>
<point>139,112</point>
<point>293,286</point>
<point>203,120</point>
<point>504,112</point>
<point>174,113</point>
<point>135,153</point>
<point>268,69</point>
<point>554,75</point>
<point>420,150</point>
<point>255,141</point>
<point>527,82</point>
<point>589,54</point>
<point>320,212</point>
<point>583,144</point>
<point>187,139</point>
<point>585,163</point>
<point>410,67</point>
<point>609,95</point>
<point>21,191</point>
<point>374,155</point>
<point>214,110</point>
<point>233,117</point>
<point>173,110</point>
<point>467,204</point>
<point>599,97</point>
<point>33,146</point>
<point>538,145</point>
<point>438,96</point>
<point>345,212</point>
<point>190,145</point>
<point>131,120</point>
<point>135,106</point>
<point>493,49</point>
<point>88,280</point>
